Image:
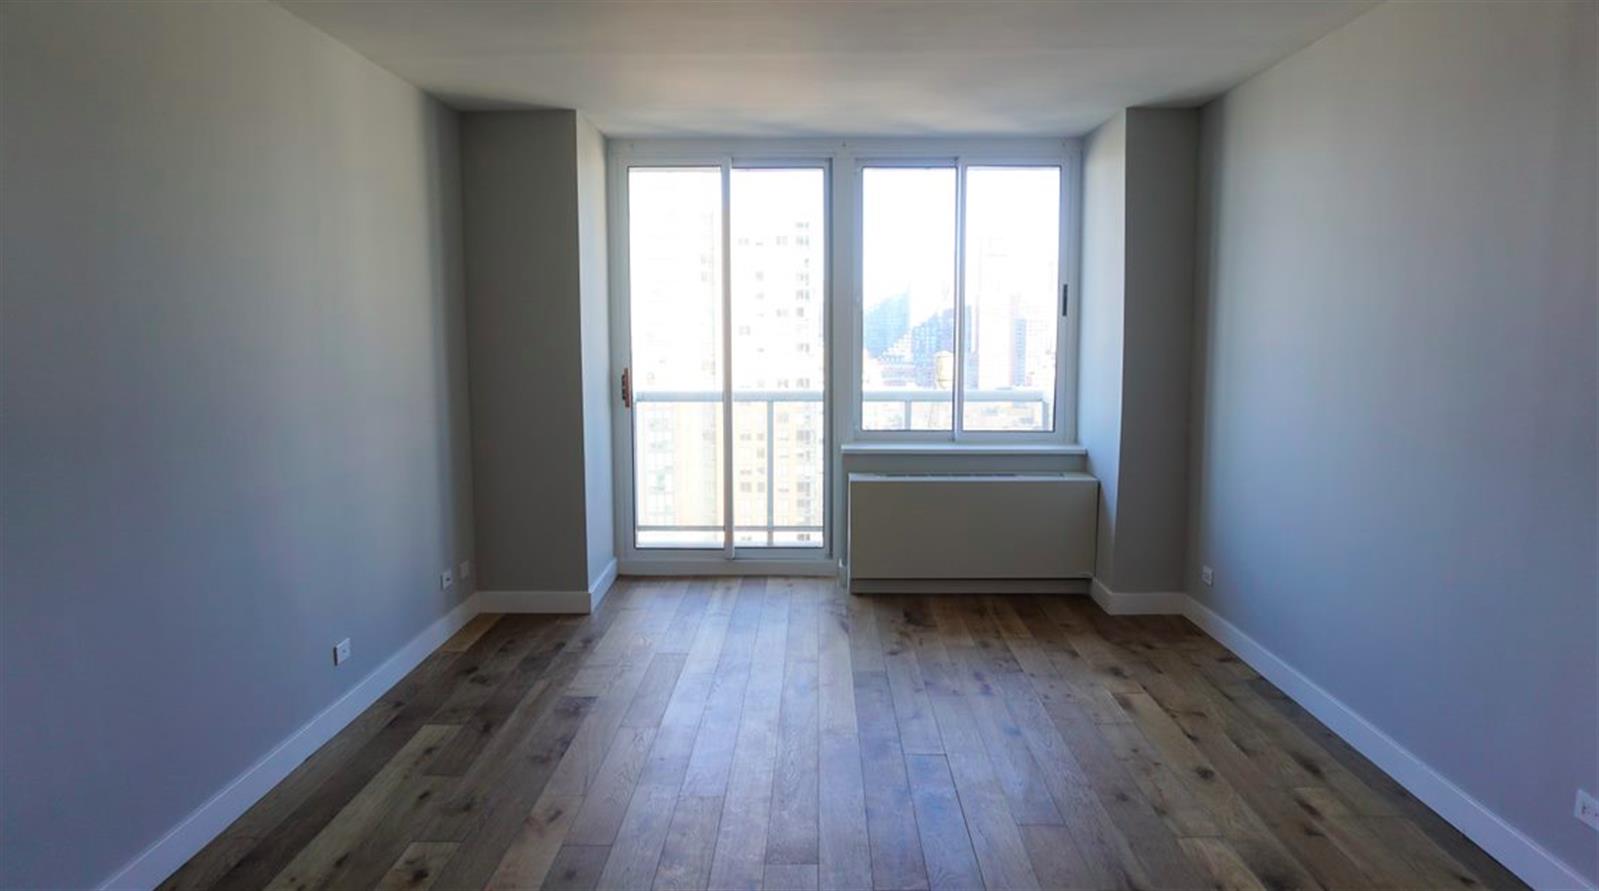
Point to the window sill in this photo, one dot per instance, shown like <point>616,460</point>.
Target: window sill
<point>959,448</point>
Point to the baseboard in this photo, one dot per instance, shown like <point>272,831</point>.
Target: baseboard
<point>160,860</point>
<point>810,568</point>
<point>968,586</point>
<point>601,584</point>
<point>1130,603</point>
<point>1504,842</point>
<point>568,602</point>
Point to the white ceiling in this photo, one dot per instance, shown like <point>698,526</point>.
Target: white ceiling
<point>818,68</point>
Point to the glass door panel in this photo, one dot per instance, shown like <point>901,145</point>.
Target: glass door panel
<point>677,372</point>
<point>778,293</point>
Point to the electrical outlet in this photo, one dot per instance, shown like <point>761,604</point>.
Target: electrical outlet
<point>341,651</point>
<point>446,579</point>
<point>1207,575</point>
<point>1588,809</point>
<point>464,571</point>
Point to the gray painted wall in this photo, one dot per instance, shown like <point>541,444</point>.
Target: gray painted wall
<point>1137,330</point>
<point>1152,510</point>
<point>1395,472</point>
<point>234,418</point>
<point>598,382</point>
<point>535,303</point>
<point>1100,350</point>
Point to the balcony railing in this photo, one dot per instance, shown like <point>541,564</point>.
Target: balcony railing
<point>904,398</point>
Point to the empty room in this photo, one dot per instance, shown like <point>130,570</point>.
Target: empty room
<point>1110,445</point>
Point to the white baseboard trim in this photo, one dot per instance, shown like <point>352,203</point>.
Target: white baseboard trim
<point>569,602</point>
<point>968,586</point>
<point>818,568</point>
<point>1129,603</point>
<point>152,867</point>
<point>601,584</point>
<point>1507,844</point>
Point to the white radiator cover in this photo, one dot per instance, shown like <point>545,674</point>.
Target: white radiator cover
<point>972,526</point>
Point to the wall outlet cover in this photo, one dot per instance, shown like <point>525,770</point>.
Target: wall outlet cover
<point>1588,809</point>
<point>464,571</point>
<point>1207,575</point>
<point>341,651</point>
<point>446,579</point>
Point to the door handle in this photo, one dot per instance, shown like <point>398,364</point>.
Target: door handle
<point>627,388</point>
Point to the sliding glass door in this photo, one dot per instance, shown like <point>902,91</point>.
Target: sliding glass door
<point>726,365</point>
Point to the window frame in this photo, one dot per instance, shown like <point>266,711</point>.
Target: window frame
<point>842,159</point>
<point>1064,154</point>
<point>727,155</point>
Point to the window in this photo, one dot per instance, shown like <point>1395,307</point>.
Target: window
<point>903,294</point>
<point>907,298</point>
<point>961,304</point>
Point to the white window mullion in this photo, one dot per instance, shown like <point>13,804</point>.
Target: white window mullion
<point>727,359</point>
<point>957,405</point>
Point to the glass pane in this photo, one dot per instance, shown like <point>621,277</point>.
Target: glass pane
<point>779,258</point>
<point>1012,298</point>
<point>907,298</point>
<point>675,280</point>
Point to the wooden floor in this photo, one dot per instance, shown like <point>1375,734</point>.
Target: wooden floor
<point>779,733</point>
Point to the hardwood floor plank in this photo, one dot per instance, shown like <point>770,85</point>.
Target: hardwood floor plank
<point>1448,839</point>
<point>1025,783</point>
<point>996,840</point>
<point>498,705</point>
<point>310,867</point>
<point>527,861</point>
<point>1227,871</point>
<point>495,804</point>
<point>896,851</point>
<point>680,722</point>
<point>1058,862</point>
<point>1256,835</point>
<point>866,652</point>
<point>586,757</point>
<point>607,798</point>
<point>1436,868</point>
<point>1088,817</point>
<point>417,867</point>
<point>211,863</point>
<point>946,845</point>
<point>1387,867</point>
<point>366,862</point>
<point>782,733</point>
<point>938,673</point>
<point>790,877</point>
<point>918,730</point>
<point>637,851</point>
<point>739,862</point>
<point>685,861</point>
<point>712,757</point>
<point>655,691</point>
<point>891,817</point>
<point>691,609</point>
<point>957,728</point>
<point>843,851</point>
<point>462,640</point>
<point>514,636</point>
<point>576,868</point>
<point>794,822</point>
